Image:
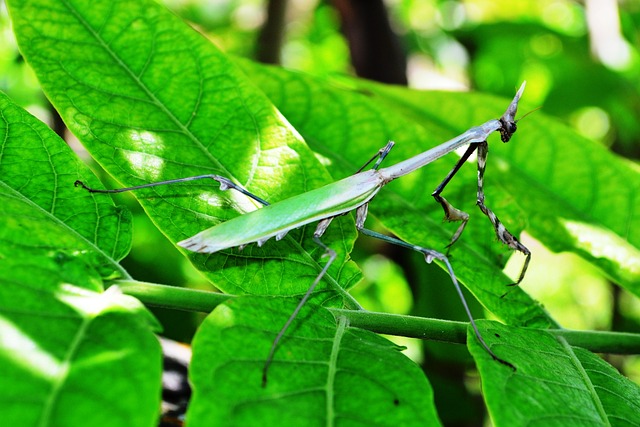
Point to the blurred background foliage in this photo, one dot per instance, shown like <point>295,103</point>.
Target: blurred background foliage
<point>582,63</point>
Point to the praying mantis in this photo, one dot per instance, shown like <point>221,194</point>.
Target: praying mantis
<point>354,193</point>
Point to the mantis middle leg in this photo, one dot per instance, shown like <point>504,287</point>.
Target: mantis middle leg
<point>320,229</point>
<point>429,256</point>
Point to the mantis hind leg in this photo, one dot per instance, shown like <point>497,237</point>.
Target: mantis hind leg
<point>225,184</point>
<point>320,229</point>
<point>429,256</point>
<point>501,231</point>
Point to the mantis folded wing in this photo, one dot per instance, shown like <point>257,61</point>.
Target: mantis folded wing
<point>279,218</point>
<point>355,193</point>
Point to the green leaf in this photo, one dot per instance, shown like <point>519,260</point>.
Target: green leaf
<point>151,99</point>
<point>555,383</point>
<point>324,372</point>
<point>62,338</point>
<point>71,355</point>
<point>39,205</point>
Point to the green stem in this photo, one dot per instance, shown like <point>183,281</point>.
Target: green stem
<point>382,323</point>
<point>456,332</point>
<point>171,296</point>
<point>406,326</point>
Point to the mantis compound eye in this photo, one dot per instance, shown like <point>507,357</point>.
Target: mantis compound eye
<point>507,130</point>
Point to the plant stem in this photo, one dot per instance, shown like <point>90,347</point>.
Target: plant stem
<point>456,332</point>
<point>171,296</point>
<point>382,323</point>
<point>406,326</point>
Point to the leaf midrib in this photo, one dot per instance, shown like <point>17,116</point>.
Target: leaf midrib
<point>63,375</point>
<point>586,380</point>
<point>333,371</point>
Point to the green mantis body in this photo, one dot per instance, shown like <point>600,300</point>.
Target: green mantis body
<point>354,193</point>
<point>279,218</point>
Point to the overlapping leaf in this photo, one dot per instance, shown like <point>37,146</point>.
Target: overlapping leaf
<point>555,384</point>
<point>62,338</point>
<point>62,343</point>
<point>322,373</point>
<point>37,172</point>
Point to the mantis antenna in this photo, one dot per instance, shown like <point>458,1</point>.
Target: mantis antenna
<point>354,194</point>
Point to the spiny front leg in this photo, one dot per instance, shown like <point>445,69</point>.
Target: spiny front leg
<point>450,212</point>
<point>501,231</point>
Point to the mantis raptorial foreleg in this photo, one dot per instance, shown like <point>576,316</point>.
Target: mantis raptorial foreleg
<point>453,214</point>
<point>450,212</point>
<point>501,231</point>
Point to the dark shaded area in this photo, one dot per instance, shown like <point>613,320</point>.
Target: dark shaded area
<point>176,390</point>
<point>58,125</point>
<point>271,36</point>
<point>376,51</point>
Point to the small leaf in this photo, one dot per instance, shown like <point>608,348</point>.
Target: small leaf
<point>553,381</point>
<point>323,373</point>
<point>39,205</point>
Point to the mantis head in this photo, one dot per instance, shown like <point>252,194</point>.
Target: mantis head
<point>508,120</point>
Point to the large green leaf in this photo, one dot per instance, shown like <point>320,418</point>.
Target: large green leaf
<point>62,338</point>
<point>151,99</point>
<point>323,373</point>
<point>555,384</point>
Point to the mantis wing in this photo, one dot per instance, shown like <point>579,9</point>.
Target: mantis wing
<point>279,218</point>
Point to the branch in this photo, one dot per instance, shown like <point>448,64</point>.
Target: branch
<point>382,323</point>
